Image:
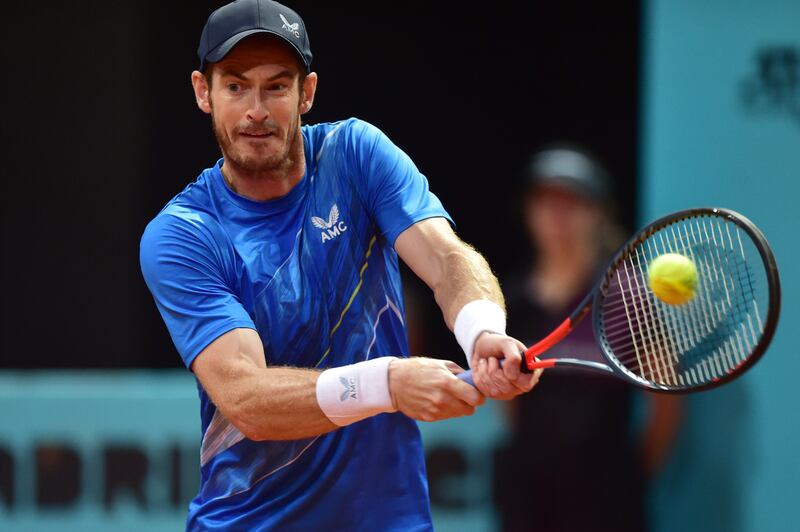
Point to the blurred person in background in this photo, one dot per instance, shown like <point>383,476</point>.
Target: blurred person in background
<point>575,441</point>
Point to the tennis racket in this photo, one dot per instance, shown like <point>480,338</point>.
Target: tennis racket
<point>711,339</point>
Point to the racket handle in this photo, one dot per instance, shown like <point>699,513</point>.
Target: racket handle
<point>466,376</point>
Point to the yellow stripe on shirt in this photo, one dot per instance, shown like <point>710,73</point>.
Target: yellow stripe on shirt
<point>352,297</point>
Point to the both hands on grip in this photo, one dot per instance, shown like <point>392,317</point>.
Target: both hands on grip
<point>427,389</point>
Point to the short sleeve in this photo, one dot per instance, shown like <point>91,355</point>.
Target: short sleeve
<point>183,268</point>
<point>397,193</point>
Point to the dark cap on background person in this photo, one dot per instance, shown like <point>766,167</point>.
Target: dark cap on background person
<point>233,22</point>
<point>571,169</point>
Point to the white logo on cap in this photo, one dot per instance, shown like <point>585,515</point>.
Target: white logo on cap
<point>291,28</point>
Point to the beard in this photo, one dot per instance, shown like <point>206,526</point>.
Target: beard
<point>260,163</point>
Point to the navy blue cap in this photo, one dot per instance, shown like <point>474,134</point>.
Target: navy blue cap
<point>570,169</point>
<point>233,22</point>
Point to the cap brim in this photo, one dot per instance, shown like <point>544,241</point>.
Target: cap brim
<point>567,183</point>
<point>223,49</point>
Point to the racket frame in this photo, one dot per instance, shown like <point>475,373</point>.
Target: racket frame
<point>594,300</point>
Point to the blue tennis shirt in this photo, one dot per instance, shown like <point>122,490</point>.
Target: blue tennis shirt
<point>316,274</point>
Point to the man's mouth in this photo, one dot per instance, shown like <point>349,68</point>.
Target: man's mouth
<point>256,134</point>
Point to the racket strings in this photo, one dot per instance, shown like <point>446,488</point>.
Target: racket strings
<point>617,326</point>
<point>706,315</point>
<point>714,310</point>
<point>699,341</point>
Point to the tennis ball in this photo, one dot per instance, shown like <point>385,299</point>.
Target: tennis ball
<point>673,278</point>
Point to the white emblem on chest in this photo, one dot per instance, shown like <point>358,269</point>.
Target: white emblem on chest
<point>332,227</point>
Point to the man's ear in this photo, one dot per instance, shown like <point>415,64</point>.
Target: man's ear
<point>309,90</point>
<point>201,91</point>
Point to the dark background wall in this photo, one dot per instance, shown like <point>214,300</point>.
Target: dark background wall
<point>100,129</point>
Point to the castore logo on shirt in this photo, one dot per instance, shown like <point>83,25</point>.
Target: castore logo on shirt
<point>332,227</point>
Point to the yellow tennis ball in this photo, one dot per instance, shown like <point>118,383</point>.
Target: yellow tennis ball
<point>673,278</point>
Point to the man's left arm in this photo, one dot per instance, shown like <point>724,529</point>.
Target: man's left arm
<point>472,303</point>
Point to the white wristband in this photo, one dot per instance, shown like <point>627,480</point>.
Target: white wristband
<point>474,318</point>
<point>351,393</point>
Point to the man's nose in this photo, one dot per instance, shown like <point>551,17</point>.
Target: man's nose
<point>257,111</point>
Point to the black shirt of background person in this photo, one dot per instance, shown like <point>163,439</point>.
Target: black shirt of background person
<point>572,438</point>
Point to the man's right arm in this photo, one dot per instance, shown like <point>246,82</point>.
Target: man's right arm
<point>264,404</point>
<point>280,403</point>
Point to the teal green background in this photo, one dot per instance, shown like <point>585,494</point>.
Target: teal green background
<point>154,410</point>
<point>86,410</point>
<point>736,466</point>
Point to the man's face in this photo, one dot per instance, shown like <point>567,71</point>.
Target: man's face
<point>255,101</point>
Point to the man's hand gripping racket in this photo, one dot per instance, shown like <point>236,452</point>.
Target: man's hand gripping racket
<point>714,337</point>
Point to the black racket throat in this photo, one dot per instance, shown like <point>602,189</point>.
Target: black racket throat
<point>598,367</point>
<point>582,310</point>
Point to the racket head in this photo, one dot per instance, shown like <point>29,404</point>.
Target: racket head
<point>713,338</point>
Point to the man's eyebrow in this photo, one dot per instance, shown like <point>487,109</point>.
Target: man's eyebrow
<point>286,73</point>
<point>229,72</point>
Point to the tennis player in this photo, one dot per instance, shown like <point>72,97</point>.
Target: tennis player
<point>276,273</point>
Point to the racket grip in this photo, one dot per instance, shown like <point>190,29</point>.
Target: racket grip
<point>466,376</point>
